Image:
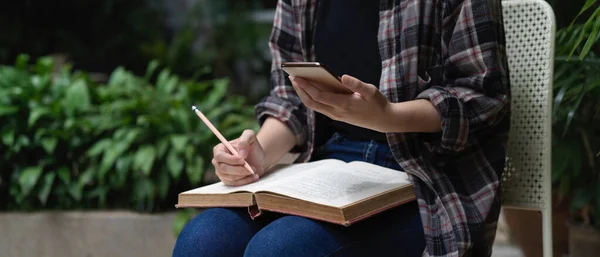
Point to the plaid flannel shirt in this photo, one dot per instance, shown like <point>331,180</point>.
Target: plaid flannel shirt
<point>452,53</point>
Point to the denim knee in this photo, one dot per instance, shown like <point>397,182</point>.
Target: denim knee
<point>215,232</point>
<point>292,236</point>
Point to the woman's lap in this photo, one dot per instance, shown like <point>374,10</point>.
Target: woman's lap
<point>231,231</point>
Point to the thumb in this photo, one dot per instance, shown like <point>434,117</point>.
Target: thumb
<point>245,142</point>
<point>357,86</point>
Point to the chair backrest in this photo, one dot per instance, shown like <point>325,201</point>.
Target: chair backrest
<point>530,30</point>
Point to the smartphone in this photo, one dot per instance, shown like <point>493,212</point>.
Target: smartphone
<point>317,72</point>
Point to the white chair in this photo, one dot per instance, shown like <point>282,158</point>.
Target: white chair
<point>530,34</point>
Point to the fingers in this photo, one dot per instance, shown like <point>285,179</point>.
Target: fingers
<point>233,170</point>
<point>354,84</point>
<point>229,167</point>
<point>309,101</point>
<point>228,158</point>
<point>245,142</point>
<point>233,175</point>
<point>241,182</point>
<point>324,97</point>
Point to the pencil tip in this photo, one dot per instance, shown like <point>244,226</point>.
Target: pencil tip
<point>194,108</point>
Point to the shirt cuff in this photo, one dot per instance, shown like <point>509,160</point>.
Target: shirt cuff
<point>455,124</point>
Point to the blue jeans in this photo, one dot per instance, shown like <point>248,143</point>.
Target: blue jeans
<point>231,231</point>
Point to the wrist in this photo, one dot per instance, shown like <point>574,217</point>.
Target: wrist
<point>275,139</point>
<point>411,116</point>
<point>392,117</point>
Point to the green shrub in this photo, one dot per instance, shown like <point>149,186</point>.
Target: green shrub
<point>576,122</point>
<point>132,143</point>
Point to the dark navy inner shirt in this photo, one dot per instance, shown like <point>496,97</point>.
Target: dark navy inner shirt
<point>346,42</point>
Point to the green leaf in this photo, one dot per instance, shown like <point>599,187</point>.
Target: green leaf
<point>77,97</point>
<point>217,112</point>
<point>118,77</point>
<point>120,133</point>
<point>586,6</point>
<point>22,62</point>
<point>144,158</point>
<point>558,99</point>
<point>23,140</point>
<point>76,190</point>
<point>49,144</point>
<point>195,170</point>
<point>150,69</point>
<point>142,121</point>
<point>69,123</point>
<point>8,137</point>
<point>87,176</point>
<point>123,168</point>
<point>46,188</point>
<point>167,86</point>
<point>99,147</point>
<point>216,94</point>
<point>163,79</point>
<point>580,39</point>
<point>179,142</point>
<point>36,114</point>
<point>44,65</point>
<point>110,156</point>
<point>593,35</point>
<point>99,193</point>
<point>124,163</point>
<point>161,147</point>
<point>29,178</point>
<point>132,135</point>
<point>8,110</point>
<point>574,109</point>
<point>174,165</point>
<point>64,175</point>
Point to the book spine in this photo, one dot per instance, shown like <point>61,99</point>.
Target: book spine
<point>254,211</point>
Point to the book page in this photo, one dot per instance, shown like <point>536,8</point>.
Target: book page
<point>340,185</point>
<point>276,174</point>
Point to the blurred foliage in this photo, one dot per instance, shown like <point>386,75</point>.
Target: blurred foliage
<point>221,35</point>
<point>95,35</point>
<point>217,38</point>
<point>576,117</point>
<point>133,143</point>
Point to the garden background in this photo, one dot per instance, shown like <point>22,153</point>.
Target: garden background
<point>97,137</point>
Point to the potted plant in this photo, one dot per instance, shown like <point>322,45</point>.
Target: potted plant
<point>576,132</point>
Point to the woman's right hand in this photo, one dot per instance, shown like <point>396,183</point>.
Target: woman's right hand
<point>230,168</point>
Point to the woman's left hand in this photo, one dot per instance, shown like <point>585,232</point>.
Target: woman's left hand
<point>366,107</point>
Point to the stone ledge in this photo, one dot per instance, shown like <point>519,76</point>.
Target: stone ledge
<point>115,233</point>
<point>89,234</point>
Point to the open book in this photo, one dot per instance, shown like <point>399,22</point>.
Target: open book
<point>329,190</point>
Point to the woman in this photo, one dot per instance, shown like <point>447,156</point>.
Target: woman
<point>431,99</point>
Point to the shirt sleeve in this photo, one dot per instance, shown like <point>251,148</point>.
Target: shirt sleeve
<point>475,94</point>
<point>283,103</point>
